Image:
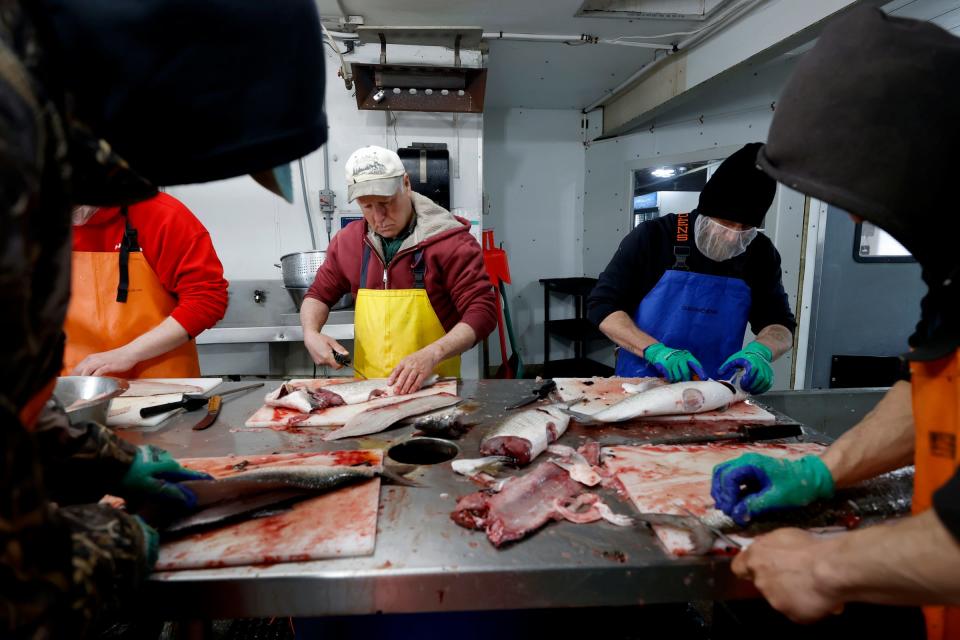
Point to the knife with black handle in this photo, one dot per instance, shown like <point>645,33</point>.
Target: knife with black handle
<point>743,433</point>
<point>190,402</point>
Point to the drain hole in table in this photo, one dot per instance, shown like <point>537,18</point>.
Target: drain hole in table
<point>423,451</point>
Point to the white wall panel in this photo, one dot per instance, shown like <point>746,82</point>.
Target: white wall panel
<point>533,181</point>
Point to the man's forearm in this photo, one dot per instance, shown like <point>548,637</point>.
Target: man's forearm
<point>163,338</point>
<point>777,338</point>
<point>911,562</point>
<point>881,442</point>
<point>460,338</point>
<point>313,314</point>
<point>620,328</point>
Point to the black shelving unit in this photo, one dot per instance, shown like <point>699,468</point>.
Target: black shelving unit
<point>578,330</point>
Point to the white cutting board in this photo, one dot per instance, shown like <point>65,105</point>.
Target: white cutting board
<point>676,479</point>
<point>124,411</point>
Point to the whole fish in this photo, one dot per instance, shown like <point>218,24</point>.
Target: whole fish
<point>697,396</point>
<point>525,435</point>
<point>377,419</point>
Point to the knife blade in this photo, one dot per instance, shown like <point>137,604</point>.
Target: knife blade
<point>213,410</point>
<point>190,402</point>
<point>537,393</point>
<point>743,433</point>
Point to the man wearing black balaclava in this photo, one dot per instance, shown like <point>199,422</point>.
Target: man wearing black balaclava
<point>679,292</point>
<point>867,122</point>
<point>101,101</point>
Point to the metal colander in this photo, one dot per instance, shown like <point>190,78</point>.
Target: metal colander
<point>300,268</point>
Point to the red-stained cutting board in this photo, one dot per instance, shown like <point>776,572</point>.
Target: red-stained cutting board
<point>281,418</point>
<point>672,479</point>
<point>341,523</point>
<point>600,393</point>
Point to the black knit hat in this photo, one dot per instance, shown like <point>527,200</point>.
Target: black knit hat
<point>867,122</point>
<point>738,191</point>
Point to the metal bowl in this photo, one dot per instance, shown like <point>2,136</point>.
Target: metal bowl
<point>86,398</point>
<point>300,268</point>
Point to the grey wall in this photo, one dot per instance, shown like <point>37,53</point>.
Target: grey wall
<point>866,309</point>
<point>533,187</point>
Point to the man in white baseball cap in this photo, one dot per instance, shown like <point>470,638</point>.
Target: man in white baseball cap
<point>422,291</point>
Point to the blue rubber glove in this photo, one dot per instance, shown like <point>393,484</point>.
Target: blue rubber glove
<point>675,365</point>
<point>754,484</point>
<point>151,540</point>
<point>755,360</point>
<point>154,475</point>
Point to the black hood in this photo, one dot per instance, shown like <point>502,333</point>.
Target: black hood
<point>194,90</point>
<point>867,122</point>
<point>738,190</point>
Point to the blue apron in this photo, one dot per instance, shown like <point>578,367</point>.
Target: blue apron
<point>704,314</point>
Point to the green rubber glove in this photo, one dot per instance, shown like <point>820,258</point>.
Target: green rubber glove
<point>754,484</point>
<point>151,540</point>
<point>675,365</point>
<point>154,475</point>
<point>755,359</point>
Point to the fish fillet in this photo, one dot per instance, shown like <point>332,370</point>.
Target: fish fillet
<point>525,435</point>
<point>697,396</point>
<point>379,418</point>
<point>227,499</point>
<point>139,388</point>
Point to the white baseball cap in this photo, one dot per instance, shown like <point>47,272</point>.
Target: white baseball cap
<point>373,171</point>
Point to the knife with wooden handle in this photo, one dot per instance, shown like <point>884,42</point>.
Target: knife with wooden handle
<point>213,410</point>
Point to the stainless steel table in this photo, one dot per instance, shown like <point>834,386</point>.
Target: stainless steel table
<point>423,561</point>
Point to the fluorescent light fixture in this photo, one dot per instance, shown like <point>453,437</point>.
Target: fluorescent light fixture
<point>663,172</point>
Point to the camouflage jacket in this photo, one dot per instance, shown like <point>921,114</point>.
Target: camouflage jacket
<point>62,563</point>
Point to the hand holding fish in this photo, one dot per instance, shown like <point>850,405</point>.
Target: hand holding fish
<point>321,348</point>
<point>786,567</point>
<point>754,484</point>
<point>408,376</point>
<point>675,365</point>
<point>155,475</point>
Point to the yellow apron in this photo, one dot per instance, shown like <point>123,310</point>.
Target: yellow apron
<point>103,316</point>
<point>936,415</point>
<point>390,324</point>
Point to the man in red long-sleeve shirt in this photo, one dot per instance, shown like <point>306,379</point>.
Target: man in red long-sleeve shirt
<point>146,281</point>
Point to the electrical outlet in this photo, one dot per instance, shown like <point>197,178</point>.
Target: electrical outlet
<point>328,200</point>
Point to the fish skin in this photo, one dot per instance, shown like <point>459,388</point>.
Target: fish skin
<point>473,466</point>
<point>525,435</point>
<point>696,396</point>
<point>443,423</point>
<point>379,418</point>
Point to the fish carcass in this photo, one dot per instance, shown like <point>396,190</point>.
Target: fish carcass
<point>379,418</point>
<point>697,396</point>
<point>525,435</point>
<point>524,504</point>
<point>306,399</point>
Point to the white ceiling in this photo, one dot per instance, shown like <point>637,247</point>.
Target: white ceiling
<point>527,74</point>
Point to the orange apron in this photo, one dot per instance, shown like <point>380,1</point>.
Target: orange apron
<point>104,315</point>
<point>936,413</point>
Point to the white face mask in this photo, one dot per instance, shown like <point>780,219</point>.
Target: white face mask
<point>718,242</point>
<point>82,214</point>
